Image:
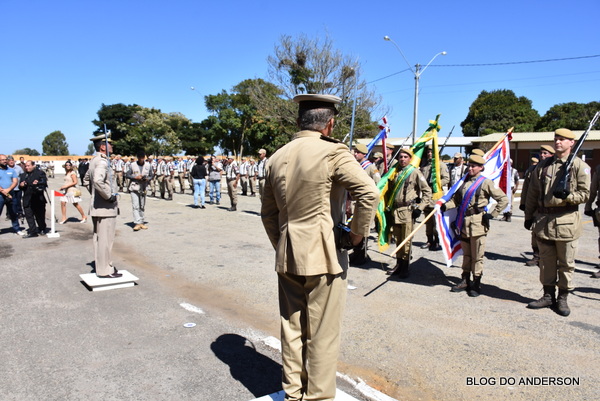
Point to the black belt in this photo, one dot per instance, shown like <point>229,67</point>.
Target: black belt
<point>558,209</point>
<point>473,210</point>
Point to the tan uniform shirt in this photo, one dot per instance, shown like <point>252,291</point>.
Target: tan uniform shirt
<point>444,177</point>
<point>473,225</point>
<point>415,186</point>
<point>557,226</point>
<point>101,188</point>
<point>594,191</point>
<point>303,201</point>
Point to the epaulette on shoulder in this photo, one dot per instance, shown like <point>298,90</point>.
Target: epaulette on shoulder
<point>330,139</point>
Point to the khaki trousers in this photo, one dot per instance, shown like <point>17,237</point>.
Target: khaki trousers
<point>261,187</point>
<point>311,310</point>
<point>252,184</point>
<point>473,252</point>
<point>401,231</point>
<point>103,238</point>
<point>557,263</point>
<point>232,191</point>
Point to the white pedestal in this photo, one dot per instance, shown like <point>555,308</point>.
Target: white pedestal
<point>339,396</point>
<point>102,284</point>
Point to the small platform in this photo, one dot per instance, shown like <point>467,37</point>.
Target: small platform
<point>102,284</point>
<point>339,396</point>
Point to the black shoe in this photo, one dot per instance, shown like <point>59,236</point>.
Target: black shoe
<point>30,235</point>
<point>218,203</point>
<point>232,209</point>
<point>202,207</point>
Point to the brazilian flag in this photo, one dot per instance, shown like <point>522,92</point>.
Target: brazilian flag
<point>392,181</point>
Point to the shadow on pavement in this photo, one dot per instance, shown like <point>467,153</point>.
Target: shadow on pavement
<point>258,373</point>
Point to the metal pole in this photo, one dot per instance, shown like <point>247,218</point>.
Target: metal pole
<point>416,104</point>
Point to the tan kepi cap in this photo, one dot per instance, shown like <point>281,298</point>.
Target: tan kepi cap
<point>378,155</point>
<point>100,138</point>
<point>458,155</point>
<point>547,148</point>
<point>407,151</point>
<point>478,152</point>
<point>476,159</point>
<point>565,133</point>
<point>389,146</point>
<point>261,151</point>
<point>361,148</point>
<point>535,160</point>
<point>317,101</point>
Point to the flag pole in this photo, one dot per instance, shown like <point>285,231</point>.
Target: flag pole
<point>52,233</point>
<point>501,139</point>
<point>412,234</point>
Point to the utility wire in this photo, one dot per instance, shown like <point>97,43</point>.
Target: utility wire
<point>514,62</point>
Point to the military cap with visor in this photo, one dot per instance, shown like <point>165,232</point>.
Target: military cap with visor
<point>565,133</point>
<point>317,101</point>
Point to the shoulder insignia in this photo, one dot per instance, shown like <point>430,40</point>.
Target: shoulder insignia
<point>329,139</point>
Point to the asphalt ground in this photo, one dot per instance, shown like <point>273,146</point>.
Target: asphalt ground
<point>411,339</point>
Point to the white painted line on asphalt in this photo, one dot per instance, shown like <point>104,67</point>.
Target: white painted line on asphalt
<point>191,308</point>
<point>365,389</point>
<point>272,342</point>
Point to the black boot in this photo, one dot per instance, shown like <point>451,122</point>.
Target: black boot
<point>465,284</point>
<point>507,216</point>
<point>233,208</point>
<point>549,299</point>
<point>535,261</point>
<point>359,254</point>
<point>561,303</point>
<point>435,243</point>
<point>429,242</point>
<point>396,268</point>
<point>475,288</point>
<point>404,269</point>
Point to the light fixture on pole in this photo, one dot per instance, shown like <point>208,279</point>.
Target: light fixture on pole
<point>417,71</point>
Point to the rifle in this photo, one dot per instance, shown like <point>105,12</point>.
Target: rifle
<point>562,188</point>
<point>446,141</point>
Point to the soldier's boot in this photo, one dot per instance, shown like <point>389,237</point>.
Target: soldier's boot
<point>233,208</point>
<point>396,269</point>
<point>561,303</point>
<point>549,299</point>
<point>475,288</point>
<point>535,260</point>
<point>429,242</point>
<point>404,271</point>
<point>359,254</point>
<point>435,242</point>
<point>465,283</point>
<point>507,216</point>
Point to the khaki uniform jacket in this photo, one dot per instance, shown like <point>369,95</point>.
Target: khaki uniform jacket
<point>97,180</point>
<point>560,226</point>
<point>594,192</point>
<point>145,171</point>
<point>444,177</point>
<point>303,201</point>
<point>526,180</point>
<point>415,186</point>
<point>373,172</point>
<point>473,225</point>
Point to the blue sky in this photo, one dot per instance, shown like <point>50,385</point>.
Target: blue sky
<point>61,60</point>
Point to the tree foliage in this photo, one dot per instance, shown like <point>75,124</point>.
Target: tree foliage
<point>26,151</point>
<point>305,65</point>
<point>575,116</point>
<point>55,144</point>
<point>90,150</point>
<point>134,127</point>
<point>497,111</point>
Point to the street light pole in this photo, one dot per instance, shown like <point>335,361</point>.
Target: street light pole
<point>417,71</point>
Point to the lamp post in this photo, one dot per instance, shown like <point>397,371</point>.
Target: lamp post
<point>417,71</point>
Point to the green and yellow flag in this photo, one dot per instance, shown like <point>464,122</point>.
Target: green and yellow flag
<point>392,181</point>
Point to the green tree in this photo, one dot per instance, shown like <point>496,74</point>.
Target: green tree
<point>305,65</point>
<point>575,116</point>
<point>90,150</point>
<point>26,151</point>
<point>497,111</point>
<point>55,144</point>
<point>119,119</point>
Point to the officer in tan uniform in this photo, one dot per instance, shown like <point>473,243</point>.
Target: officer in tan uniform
<point>546,151</point>
<point>433,239</point>
<point>557,222</point>
<point>104,207</point>
<point>595,213</point>
<point>302,204</point>
<point>473,222</point>
<point>360,154</point>
<point>412,195</point>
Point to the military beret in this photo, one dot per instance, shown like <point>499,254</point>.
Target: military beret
<point>407,151</point>
<point>478,152</point>
<point>535,160</point>
<point>547,148</point>
<point>361,148</point>
<point>476,159</point>
<point>378,155</point>
<point>565,133</point>
<point>317,101</point>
